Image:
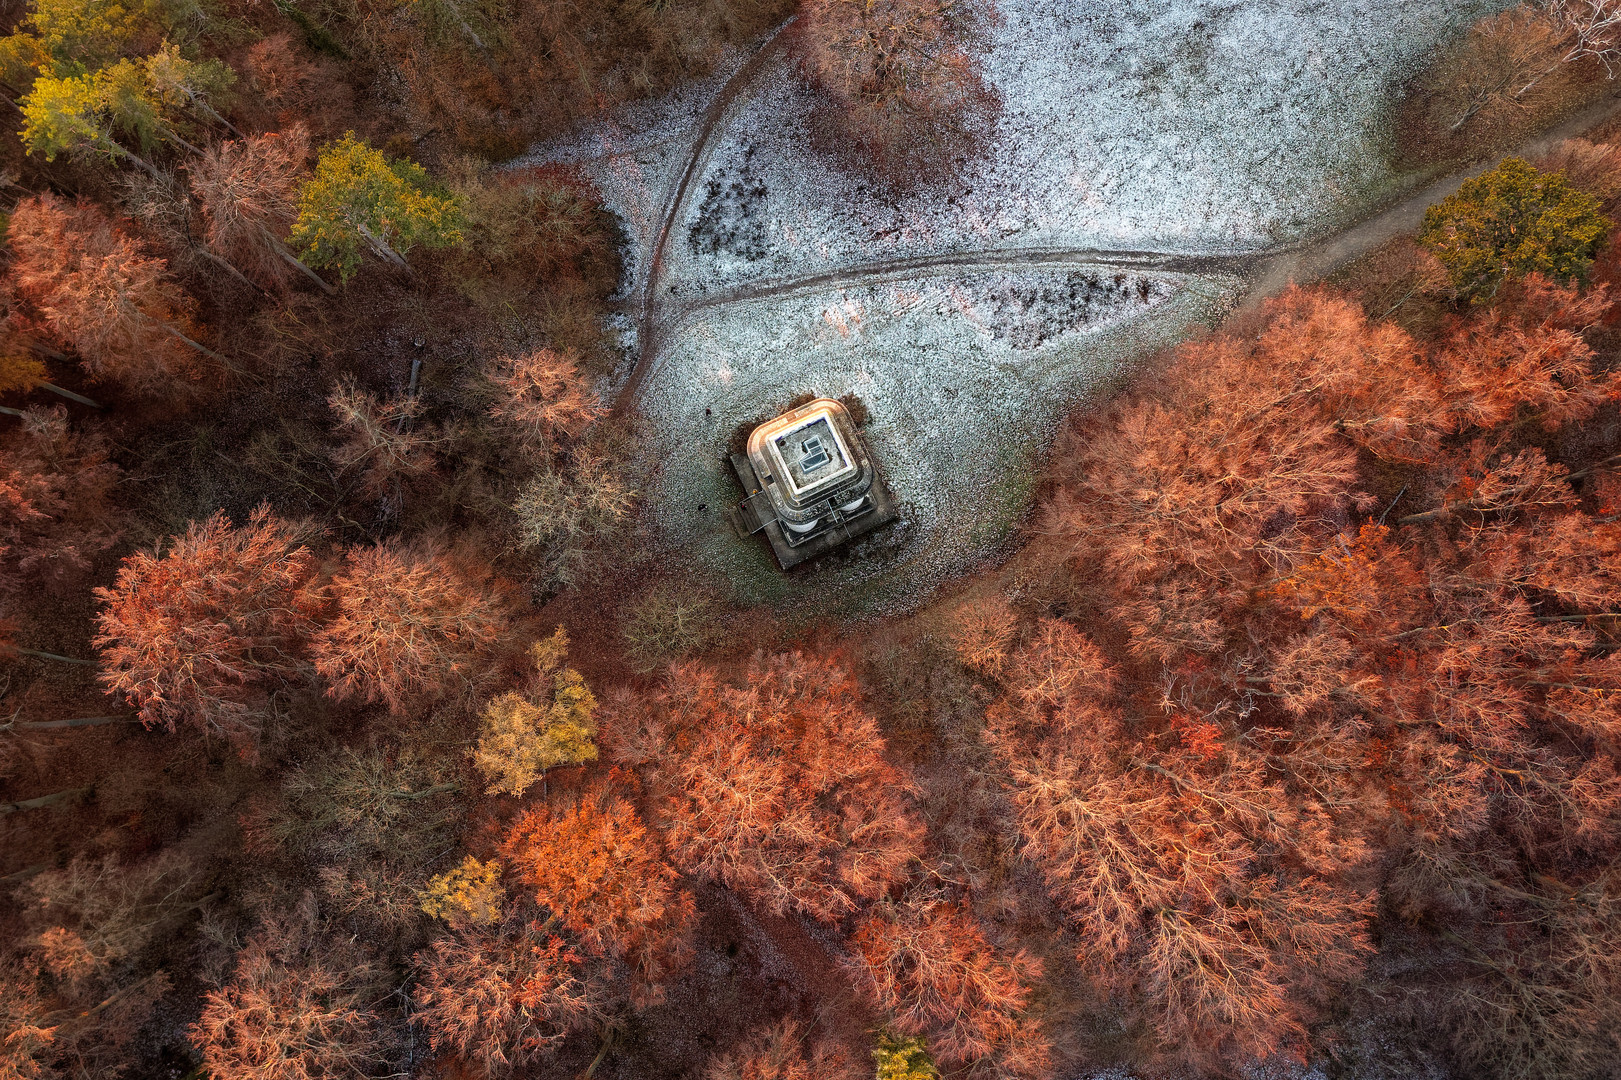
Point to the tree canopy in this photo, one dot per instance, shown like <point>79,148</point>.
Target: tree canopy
<point>1512,221</point>
<point>359,201</point>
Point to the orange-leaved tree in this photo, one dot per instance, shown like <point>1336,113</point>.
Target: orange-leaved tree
<point>54,514</point>
<point>591,862</point>
<point>542,397</point>
<point>926,962</point>
<point>411,624</point>
<point>300,1006</point>
<point>785,1051</point>
<point>113,305</point>
<point>776,786</point>
<point>203,633</point>
<point>1199,885</point>
<point>503,997</point>
<point>247,192</point>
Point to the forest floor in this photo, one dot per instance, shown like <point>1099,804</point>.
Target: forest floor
<point>1150,167</point>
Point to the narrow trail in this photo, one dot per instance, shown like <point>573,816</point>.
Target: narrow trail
<point>922,266</point>
<point>647,337</point>
<point>1320,258</point>
<point>1267,271</point>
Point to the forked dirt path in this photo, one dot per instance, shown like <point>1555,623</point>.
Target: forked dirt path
<point>1265,272</point>
<point>650,328</point>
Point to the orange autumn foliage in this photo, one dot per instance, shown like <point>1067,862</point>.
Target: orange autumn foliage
<point>785,1052</point>
<point>411,624</point>
<point>927,964</point>
<point>54,487</point>
<point>1195,881</point>
<point>1242,463</point>
<point>542,396</point>
<point>247,193</point>
<point>984,630</point>
<point>501,998</point>
<point>776,786</point>
<point>592,863</point>
<point>206,631</point>
<point>298,1007</point>
<point>113,305</point>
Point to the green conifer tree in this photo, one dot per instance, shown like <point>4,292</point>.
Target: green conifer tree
<point>1512,221</point>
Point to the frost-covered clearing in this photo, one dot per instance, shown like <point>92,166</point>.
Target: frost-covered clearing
<point>1195,126</point>
<point>964,376</point>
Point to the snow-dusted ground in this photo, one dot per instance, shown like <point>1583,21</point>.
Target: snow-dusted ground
<point>1192,126</point>
<point>963,375</point>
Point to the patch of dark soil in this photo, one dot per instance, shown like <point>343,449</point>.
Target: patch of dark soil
<point>729,218</point>
<point>1027,315</point>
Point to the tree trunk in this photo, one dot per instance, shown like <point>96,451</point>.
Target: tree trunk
<point>209,110</point>
<point>226,265</point>
<point>381,248</point>
<point>53,656</point>
<point>478,42</point>
<point>437,789</point>
<point>281,249</point>
<point>197,150</point>
<point>113,148</point>
<point>1526,89</point>
<point>44,800</point>
<point>69,394</point>
<point>76,722</point>
<point>204,349</point>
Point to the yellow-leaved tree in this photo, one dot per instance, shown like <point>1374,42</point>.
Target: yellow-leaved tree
<point>522,737</point>
<point>360,200</point>
<point>469,895</point>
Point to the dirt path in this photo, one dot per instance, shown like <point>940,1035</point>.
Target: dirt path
<point>1320,258</point>
<point>923,266</point>
<point>651,326</point>
<point>1268,271</point>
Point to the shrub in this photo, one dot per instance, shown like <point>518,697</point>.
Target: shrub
<point>782,1053</point>
<point>566,512</point>
<point>1513,221</point>
<point>379,440</point>
<point>903,1058</point>
<point>530,227</point>
<point>670,623</point>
